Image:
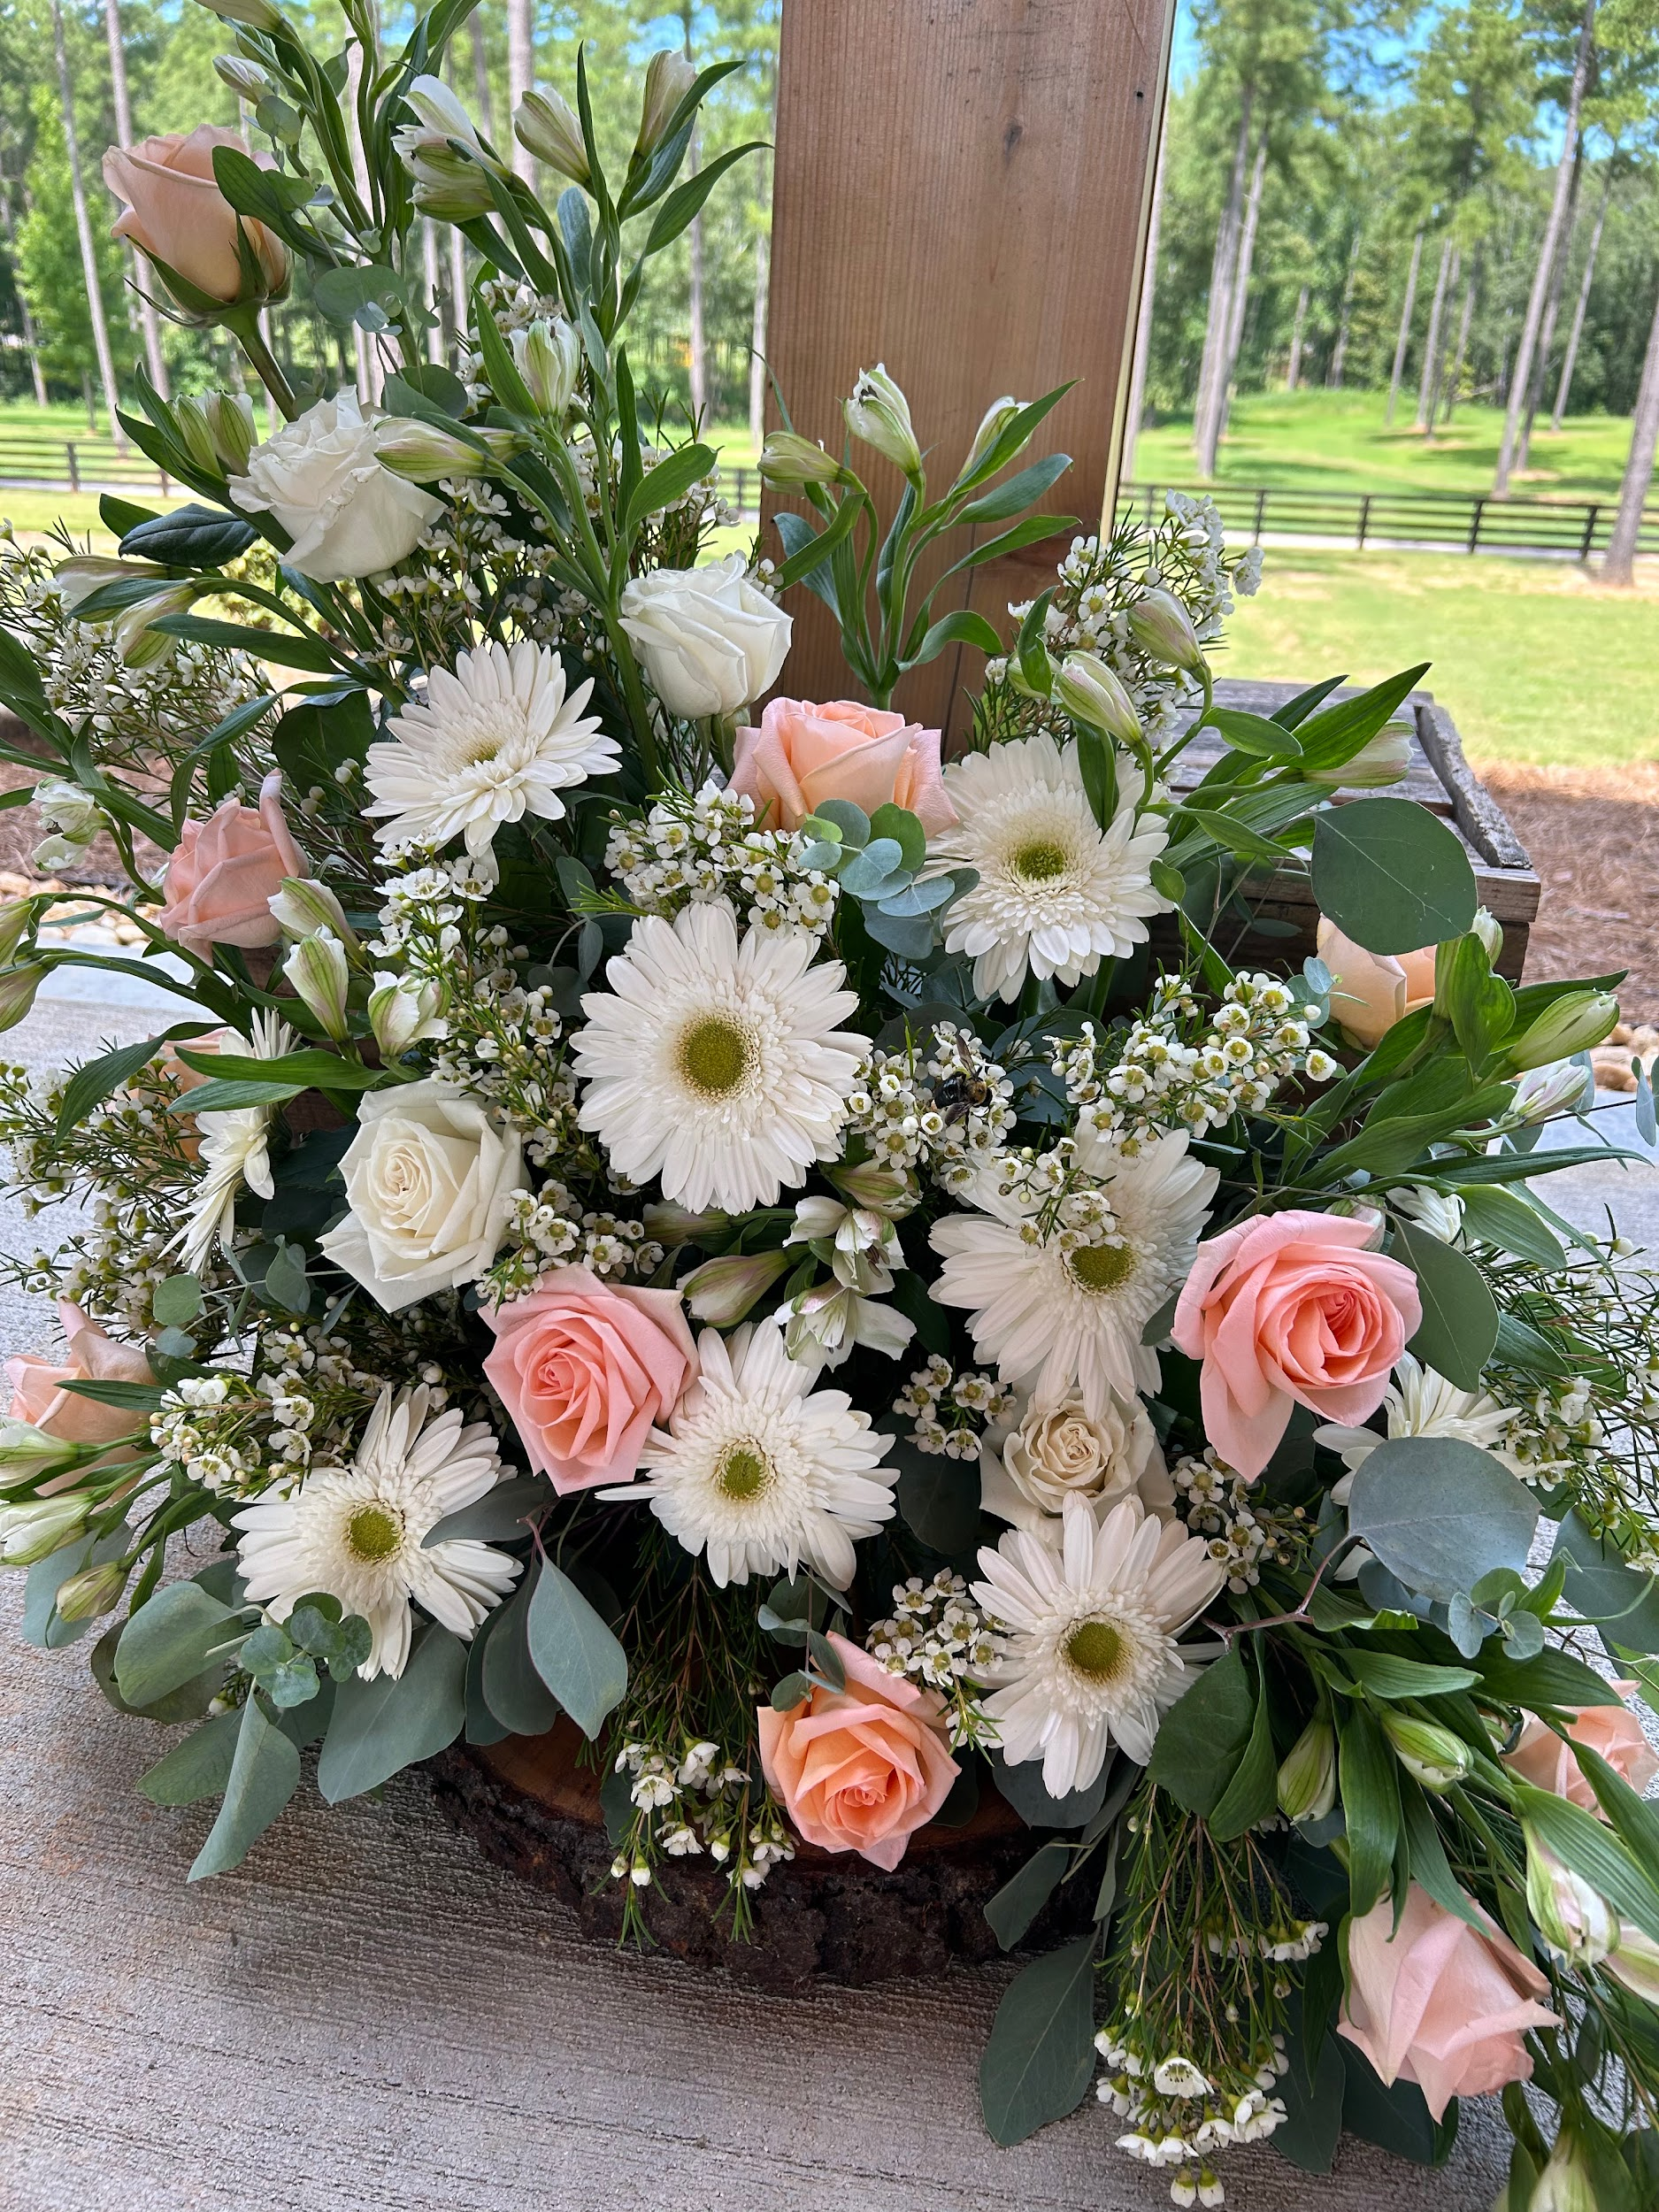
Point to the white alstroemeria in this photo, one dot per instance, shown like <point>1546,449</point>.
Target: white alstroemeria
<point>234,1153</point>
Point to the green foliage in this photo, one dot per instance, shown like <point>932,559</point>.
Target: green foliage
<point>1037,2064</point>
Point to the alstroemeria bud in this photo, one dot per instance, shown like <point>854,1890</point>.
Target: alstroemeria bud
<point>17,986</point>
<point>1430,1754</point>
<point>140,645</point>
<point>549,357</point>
<point>449,187</point>
<point>884,1190</point>
<point>425,454</point>
<point>787,458</point>
<point>1489,930</point>
<point>666,1223</point>
<point>722,1291</point>
<point>1573,1022</point>
<point>547,126</point>
<point>231,425</point>
<point>320,973</point>
<point>77,578</point>
<point>245,78</point>
<point>1162,627</point>
<point>994,420</point>
<point>1381,760</point>
<point>302,906</point>
<point>258,15</point>
<point>1091,691</point>
<point>26,1452</point>
<point>1635,1961</point>
<point>1307,1777</point>
<point>879,414</point>
<point>1566,2184</point>
<point>402,1011</point>
<point>17,917</point>
<point>41,1526</point>
<point>1575,1920</point>
<point>93,1591</point>
<point>68,810</point>
<point>1567,1087</point>
<point>669,76</point>
<point>190,414</point>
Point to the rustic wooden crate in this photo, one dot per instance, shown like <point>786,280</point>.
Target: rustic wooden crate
<point>1439,776</point>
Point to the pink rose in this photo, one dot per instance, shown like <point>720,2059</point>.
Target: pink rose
<point>1290,1309</point>
<point>860,1768</point>
<point>1374,990</point>
<point>38,1394</point>
<point>585,1368</point>
<point>1434,2003</point>
<point>802,754</point>
<point>225,872</point>
<point>1543,1759</point>
<point>176,212</point>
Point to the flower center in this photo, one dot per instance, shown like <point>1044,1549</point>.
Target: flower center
<point>375,1532</point>
<point>715,1055</point>
<point>1097,1650</point>
<point>744,1472</point>
<point>1101,1267</point>
<point>1039,863</point>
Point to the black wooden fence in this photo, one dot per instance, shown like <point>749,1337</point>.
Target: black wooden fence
<point>1442,522</point>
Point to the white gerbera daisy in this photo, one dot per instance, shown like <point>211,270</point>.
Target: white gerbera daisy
<point>760,1471</point>
<point>356,1531</point>
<point>1420,1403</point>
<point>1056,1320</point>
<point>234,1152</point>
<point>1086,1654</point>
<point>494,739</point>
<point>717,1065</point>
<point>1055,892</point>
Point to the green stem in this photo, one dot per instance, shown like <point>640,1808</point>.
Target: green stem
<point>244,326</point>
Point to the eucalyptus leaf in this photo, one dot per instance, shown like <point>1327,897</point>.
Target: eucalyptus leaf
<point>1021,1784</point>
<point>170,1640</point>
<point>1040,2059</point>
<point>1460,1316</point>
<point>381,1726</point>
<point>1203,1736</point>
<point>264,1773</point>
<point>1023,1896</point>
<point>938,1497</point>
<point>199,1767</point>
<point>500,1516</point>
<point>1439,1513</point>
<point>1392,875</point>
<point>575,1653</point>
<point>512,1689</point>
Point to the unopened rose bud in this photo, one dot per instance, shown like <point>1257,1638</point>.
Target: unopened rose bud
<point>669,76</point>
<point>17,986</point>
<point>1307,1778</point>
<point>402,1011</point>
<point>1574,1919</point>
<point>1383,759</point>
<point>787,458</point>
<point>303,906</point>
<point>320,973</point>
<point>93,1591</point>
<point>547,126</point>
<point>671,1225</point>
<point>245,78</point>
<point>190,414</point>
<point>26,1452</point>
<point>1090,691</point>
<point>1162,627</point>
<point>722,1291</point>
<point>879,414</point>
<point>41,1526</point>
<point>994,420</point>
<point>230,424</point>
<point>1573,1022</point>
<point>1430,1754</point>
<point>549,357</point>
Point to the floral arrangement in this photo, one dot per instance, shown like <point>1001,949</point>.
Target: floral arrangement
<point>806,1257</point>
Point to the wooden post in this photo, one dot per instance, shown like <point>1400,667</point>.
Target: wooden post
<point>961,192</point>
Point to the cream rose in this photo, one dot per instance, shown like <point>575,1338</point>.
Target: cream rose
<point>1061,1451</point>
<point>429,1178</point>
<point>709,639</point>
<point>176,213</point>
<point>323,479</point>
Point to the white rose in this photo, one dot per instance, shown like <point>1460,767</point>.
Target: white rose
<point>1057,1452</point>
<point>323,479</point>
<point>429,1176</point>
<point>710,640</point>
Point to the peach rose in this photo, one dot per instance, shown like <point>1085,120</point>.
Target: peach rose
<point>225,872</point>
<point>1542,1758</point>
<point>802,754</point>
<point>1434,2003</point>
<point>1290,1309</point>
<point>37,1391</point>
<point>176,213</point>
<point>585,1368</point>
<point>1374,990</point>
<point>860,1768</point>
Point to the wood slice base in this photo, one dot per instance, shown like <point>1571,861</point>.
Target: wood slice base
<point>530,1808</point>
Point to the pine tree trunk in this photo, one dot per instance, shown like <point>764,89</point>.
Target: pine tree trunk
<point>1212,368</point>
<point>1569,359</point>
<point>1293,374</point>
<point>1344,319</point>
<point>1137,405</point>
<point>1520,381</point>
<point>1455,271</point>
<point>1552,311</point>
<point>149,321</point>
<point>481,75</point>
<point>1405,326</point>
<point>1619,565</point>
<point>1241,293</point>
<point>697,343</point>
<point>31,345</point>
<point>1432,343</point>
<point>520,77</point>
<point>83,229</point>
<point>1456,383</point>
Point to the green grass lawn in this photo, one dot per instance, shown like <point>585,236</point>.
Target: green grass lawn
<point>1536,662</point>
<point>1319,441</point>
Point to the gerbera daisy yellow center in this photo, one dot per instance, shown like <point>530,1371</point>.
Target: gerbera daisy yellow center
<point>1097,1650</point>
<point>374,1531</point>
<point>715,1055</point>
<point>1040,862</point>
<point>1101,1267</point>
<point>744,1472</point>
